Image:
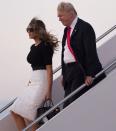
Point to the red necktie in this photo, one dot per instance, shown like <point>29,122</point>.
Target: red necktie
<point>68,42</point>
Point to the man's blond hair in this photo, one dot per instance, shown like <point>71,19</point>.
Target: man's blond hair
<point>66,6</point>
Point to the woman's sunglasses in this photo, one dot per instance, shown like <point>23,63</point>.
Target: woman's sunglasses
<point>30,30</point>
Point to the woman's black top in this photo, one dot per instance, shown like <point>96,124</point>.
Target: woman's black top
<point>40,56</point>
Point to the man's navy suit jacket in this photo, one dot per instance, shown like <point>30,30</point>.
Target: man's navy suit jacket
<point>83,43</point>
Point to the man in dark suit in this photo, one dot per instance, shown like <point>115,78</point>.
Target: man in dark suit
<point>80,62</point>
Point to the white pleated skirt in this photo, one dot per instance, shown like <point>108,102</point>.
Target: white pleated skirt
<point>34,94</point>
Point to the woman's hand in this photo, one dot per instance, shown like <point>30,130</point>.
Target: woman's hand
<point>48,95</point>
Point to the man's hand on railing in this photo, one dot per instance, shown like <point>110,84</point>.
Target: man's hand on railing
<point>88,80</point>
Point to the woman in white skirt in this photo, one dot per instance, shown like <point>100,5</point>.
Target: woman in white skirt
<point>24,109</point>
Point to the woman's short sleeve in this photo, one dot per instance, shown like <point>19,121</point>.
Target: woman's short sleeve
<point>48,53</point>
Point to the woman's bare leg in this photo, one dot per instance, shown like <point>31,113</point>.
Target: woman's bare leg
<point>34,127</point>
<point>20,122</point>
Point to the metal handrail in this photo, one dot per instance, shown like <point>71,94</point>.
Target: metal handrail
<point>66,98</point>
<point>106,33</point>
<point>8,105</point>
<point>59,67</point>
